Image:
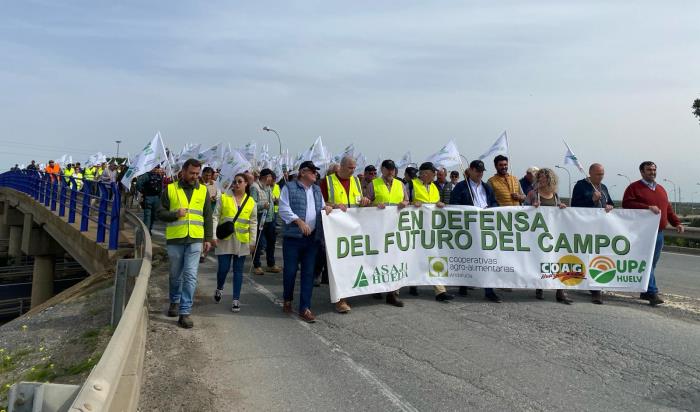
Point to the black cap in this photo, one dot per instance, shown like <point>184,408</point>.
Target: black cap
<point>389,164</point>
<point>370,168</point>
<point>224,230</point>
<point>477,165</point>
<point>308,165</point>
<point>427,166</point>
<point>265,172</point>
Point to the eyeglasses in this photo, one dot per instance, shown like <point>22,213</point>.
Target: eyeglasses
<point>238,182</point>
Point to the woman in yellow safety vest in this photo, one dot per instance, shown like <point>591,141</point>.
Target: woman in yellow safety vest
<point>232,249</point>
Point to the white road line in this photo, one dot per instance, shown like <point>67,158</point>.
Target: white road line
<point>393,397</point>
<point>680,254</point>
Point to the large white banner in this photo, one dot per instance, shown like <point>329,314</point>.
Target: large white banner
<point>372,250</point>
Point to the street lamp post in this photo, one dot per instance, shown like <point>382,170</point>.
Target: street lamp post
<point>118,142</point>
<point>568,173</point>
<point>267,129</point>
<point>674,194</point>
<point>626,177</point>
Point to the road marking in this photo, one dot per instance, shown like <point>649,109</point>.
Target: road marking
<point>393,397</point>
<point>680,254</point>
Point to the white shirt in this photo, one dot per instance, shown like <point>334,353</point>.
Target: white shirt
<point>478,194</point>
<point>286,213</point>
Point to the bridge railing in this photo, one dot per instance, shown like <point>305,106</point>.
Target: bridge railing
<point>92,200</point>
<point>114,383</point>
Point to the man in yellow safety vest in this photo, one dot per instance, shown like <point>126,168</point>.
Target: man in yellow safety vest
<point>186,209</point>
<point>423,191</point>
<point>385,191</point>
<point>341,191</point>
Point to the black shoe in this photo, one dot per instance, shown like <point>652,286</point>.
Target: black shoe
<point>392,299</point>
<point>655,300</point>
<point>185,321</point>
<point>562,298</point>
<point>463,291</point>
<point>646,296</point>
<point>493,297</point>
<point>444,297</point>
<point>413,290</point>
<point>377,296</point>
<point>173,310</point>
<point>539,294</point>
<point>597,297</point>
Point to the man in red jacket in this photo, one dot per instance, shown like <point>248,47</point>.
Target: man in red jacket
<point>647,194</point>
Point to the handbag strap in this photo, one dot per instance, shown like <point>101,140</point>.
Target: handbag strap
<point>240,209</point>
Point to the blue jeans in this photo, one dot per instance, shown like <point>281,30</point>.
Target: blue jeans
<point>150,205</point>
<point>657,254</point>
<point>184,261</point>
<point>222,272</point>
<point>295,251</point>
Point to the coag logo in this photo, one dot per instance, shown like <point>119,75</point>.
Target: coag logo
<point>437,267</point>
<point>570,270</point>
<point>602,269</point>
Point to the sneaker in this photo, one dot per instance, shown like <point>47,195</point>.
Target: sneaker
<point>235,306</point>
<point>342,306</point>
<point>273,269</point>
<point>258,271</point>
<point>307,316</point>
<point>173,310</point>
<point>185,321</point>
<point>444,297</point>
<point>217,295</point>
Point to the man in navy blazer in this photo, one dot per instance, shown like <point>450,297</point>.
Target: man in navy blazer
<point>473,191</point>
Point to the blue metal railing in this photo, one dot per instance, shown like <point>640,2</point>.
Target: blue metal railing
<point>92,200</point>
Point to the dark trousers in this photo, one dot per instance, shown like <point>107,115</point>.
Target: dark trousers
<point>270,236</point>
<point>297,251</point>
<point>321,266</point>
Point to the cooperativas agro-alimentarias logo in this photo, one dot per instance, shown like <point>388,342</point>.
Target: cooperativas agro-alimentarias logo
<point>437,267</point>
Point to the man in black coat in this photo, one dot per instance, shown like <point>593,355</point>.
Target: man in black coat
<point>473,191</point>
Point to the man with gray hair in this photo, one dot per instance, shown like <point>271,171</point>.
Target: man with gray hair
<point>527,183</point>
<point>444,186</point>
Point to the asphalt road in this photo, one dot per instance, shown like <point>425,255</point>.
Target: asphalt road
<point>522,354</point>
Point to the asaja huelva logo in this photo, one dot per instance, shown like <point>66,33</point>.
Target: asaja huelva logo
<point>602,269</point>
<point>570,270</point>
<point>437,267</point>
<point>380,274</point>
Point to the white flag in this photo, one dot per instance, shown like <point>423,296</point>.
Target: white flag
<point>500,146</point>
<point>65,159</point>
<point>348,151</point>
<point>249,150</point>
<point>151,155</point>
<point>318,154</point>
<point>190,151</point>
<point>264,160</point>
<point>447,156</point>
<point>360,163</point>
<point>571,159</point>
<point>404,161</point>
<point>235,163</point>
<point>211,156</point>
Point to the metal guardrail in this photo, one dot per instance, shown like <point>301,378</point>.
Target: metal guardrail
<point>71,196</point>
<point>692,233</point>
<point>114,384</point>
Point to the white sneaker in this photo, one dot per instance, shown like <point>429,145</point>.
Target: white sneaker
<point>217,295</point>
<point>235,306</point>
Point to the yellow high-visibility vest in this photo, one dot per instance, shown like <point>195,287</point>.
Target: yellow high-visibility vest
<point>276,195</point>
<point>192,224</point>
<point>90,173</point>
<point>382,194</point>
<point>420,194</point>
<point>78,180</point>
<point>241,226</point>
<point>337,194</point>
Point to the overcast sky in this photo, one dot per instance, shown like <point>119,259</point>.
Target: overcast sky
<point>615,79</point>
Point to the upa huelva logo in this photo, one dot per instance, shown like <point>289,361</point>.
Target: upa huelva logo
<point>570,270</point>
<point>604,269</point>
<point>437,267</point>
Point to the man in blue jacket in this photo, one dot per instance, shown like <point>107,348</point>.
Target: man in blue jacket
<point>473,191</point>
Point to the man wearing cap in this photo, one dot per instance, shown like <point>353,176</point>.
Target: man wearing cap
<point>423,191</point>
<point>343,190</point>
<point>261,192</point>
<point>368,177</point>
<point>527,183</point>
<point>388,191</point>
<point>186,209</point>
<point>473,191</point>
<point>301,203</point>
<point>505,186</point>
